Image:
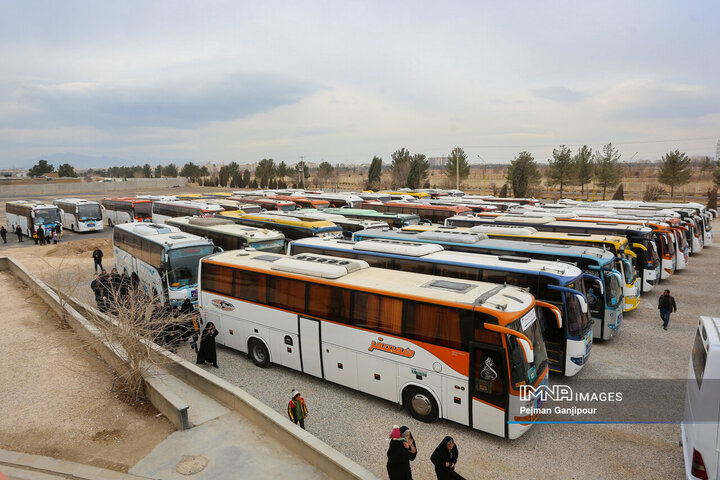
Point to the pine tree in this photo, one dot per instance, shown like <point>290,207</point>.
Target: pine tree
<point>674,170</point>
<point>522,173</point>
<point>374,173</point>
<point>608,170</point>
<point>583,167</point>
<point>561,167</point>
<point>457,166</point>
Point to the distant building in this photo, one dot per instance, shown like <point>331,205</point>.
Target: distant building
<point>437,161</point>
<point>14,173</point>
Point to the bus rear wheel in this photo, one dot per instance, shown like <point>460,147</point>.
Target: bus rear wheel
<point>421,404</point>
<point>259,353</point>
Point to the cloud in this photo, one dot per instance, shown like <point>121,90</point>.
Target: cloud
<point>189,102</point>
<point>651,101</point>
<point>559,94</point>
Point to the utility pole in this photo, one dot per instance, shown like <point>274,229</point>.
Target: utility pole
<point>301,172</point>
<point>629,164</point>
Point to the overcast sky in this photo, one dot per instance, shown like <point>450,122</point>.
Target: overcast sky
<point>342,81</point>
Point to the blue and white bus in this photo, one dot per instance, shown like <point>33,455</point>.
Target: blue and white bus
<point>605,291</point>
<point>558,287</point>
<point>164,258</point>
<point>80,215</point>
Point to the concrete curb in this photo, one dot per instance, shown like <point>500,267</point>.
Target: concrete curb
<point>39,466</point>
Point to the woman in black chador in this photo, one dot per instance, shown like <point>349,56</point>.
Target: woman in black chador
<point>444,458</point>
<point>207,351</point>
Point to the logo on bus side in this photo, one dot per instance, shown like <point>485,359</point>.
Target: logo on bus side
<point>404,352</point>
<point>223,305</point>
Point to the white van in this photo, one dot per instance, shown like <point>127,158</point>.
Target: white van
<point>701,423</point>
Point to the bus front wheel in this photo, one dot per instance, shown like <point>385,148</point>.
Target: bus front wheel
<point>421,404</point>
<point>259,353</point>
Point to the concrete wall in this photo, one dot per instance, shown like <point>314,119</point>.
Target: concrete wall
<point>131,185</point>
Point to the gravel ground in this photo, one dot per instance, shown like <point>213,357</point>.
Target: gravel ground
<point>358,424</point>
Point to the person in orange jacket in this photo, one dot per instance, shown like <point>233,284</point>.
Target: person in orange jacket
<point>297,410</point>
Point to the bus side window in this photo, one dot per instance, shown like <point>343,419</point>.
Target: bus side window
<point>456,271</point>
<point>379,262</point>
<point>413,266</point>
<point>433,324</point>
<point>328,302</point>
<point>286,294</point>
<point>377,312</point>
<point>489,376</point>
<point>217,279</point>
<point>249,286</point>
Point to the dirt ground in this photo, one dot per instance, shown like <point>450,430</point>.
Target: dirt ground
<point>56,396</point>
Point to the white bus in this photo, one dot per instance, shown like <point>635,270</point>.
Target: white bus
<point>32,215</point>
<point>80,215</point>
<point>701,423</point>
<point>442,347</point>
<point>161,211</point>
<point>228,235</point>
<point>119,210</point>
<point>164,258</point>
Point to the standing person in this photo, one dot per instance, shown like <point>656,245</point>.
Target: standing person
<point>3,234</point>
<point>18,232</point>
<point>55,237</point>
<point>97,258</point>
<point>297,410</point>
<point>41,235</point>
<point>666,304</point>
<point>97,288</point>
<point>59,231</point>
<point>401,452</point>
<point>207,352</point>
<point>445,458</point>
<point>35,235</point>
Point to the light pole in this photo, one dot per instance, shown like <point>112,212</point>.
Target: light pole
<point>482,192</point>
<point>629,164</point>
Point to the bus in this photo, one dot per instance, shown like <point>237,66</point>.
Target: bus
<point>161,211</point>
<point>700,428</point>
<point>195,196</point>
<point>302,202</point>
<point>164,259</point>
<point>80,215</point>
<point>290,225</point>
<point>641,243</point>
<point>228,235</point>
<point>605,292</point>
<point>427,213</point>
<point>119,210</point>
<point>416,195</point>
<point>441,347</point>
<point>618,246</point>
<point>267,204</point>
<point>558,288</point>
<point>395,220</point>
<point>348,225</point>
<point>336,200</point>
<point>31,216</point>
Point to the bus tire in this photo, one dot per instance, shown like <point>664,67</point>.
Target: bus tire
<point>421,404</point>
<point>259,353</point>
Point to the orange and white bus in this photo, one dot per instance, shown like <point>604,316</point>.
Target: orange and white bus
<point>119,210</point>
<point>442,347</point>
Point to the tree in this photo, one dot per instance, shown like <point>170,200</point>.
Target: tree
<point>674,170</point>
<point>522,173</point>
<point>400,167</point>
<point>158,171</point>
<point>223,176</point>
<point>324,173</point>
<point>457,165</point>
<point>41,168</point>
<point>282,171</point>
<point>66,170</point>
<point>561,167</point>
<point>706,164</point>
<point>233,169</point>
<point>190,171</point>
<point>297,176</point>
<point>712,199</point>
<point>608,170</point>
<point>246,177</point>
<point>147,170</point>
<point>374,173</point>
<point>619,193</point>
<point>204,173</point>
<point>265,171</point>
<point>583,167</point>
<point>170,170</point>
<point>418,171</point>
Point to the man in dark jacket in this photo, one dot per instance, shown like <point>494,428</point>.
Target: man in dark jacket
<point>18,232</point>
<point>3,234</point>
<point>97,257</point>
<point>666,304</point>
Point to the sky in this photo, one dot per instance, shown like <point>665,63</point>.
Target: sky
<point>343,81</point>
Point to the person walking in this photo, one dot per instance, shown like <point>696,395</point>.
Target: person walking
<point>401,452</point>
<point>97,258</point>
<point>59,231</point>
<point>297,410</point>
<point>18,232</point>
<point>3,234</point>
<point>207,352</point>
<point>666,304</point>
<point>445,458</point>
<point>97,287</point>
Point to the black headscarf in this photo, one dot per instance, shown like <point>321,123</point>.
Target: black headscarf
<point>404,429</point>
<point>441,456</point>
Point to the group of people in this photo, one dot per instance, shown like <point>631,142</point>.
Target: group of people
<point>403,450</point>
<point>39,234</point>
<point>111,287</point>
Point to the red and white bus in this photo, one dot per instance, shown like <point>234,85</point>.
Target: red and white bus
<point>119,210</point>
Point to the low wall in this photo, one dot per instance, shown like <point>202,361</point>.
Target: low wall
<point>61,189</point>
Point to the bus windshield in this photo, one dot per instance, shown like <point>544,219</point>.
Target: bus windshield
<point>89,212</point>
<point>520,370</point>
<point>577,321</point>
<point>183,264</point>
<point>143,209</point>
<point>286,208</point>
<point>613,290</point>
<point>668,242</point>
<point>47,215</point>
<point>653,258</point>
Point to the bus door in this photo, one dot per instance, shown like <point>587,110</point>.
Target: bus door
<point>488,387</point>
<point>595,293</point>
<point>310,346</point>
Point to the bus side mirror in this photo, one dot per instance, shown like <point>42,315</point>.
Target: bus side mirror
<point>527,350</point>
<point>32,214</point>
<point>583,303</point>
<point>555,311</point>
<point>595,279</point>
<point>217,250</point>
